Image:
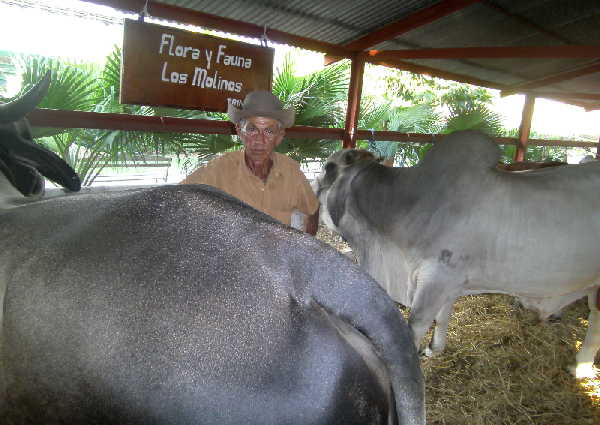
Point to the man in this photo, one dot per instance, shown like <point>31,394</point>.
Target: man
<point>264,179</point>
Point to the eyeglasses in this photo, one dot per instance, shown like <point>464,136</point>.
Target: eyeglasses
<point>254,132</point>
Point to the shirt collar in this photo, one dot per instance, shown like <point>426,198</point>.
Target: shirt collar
<point>275,169</point>
<point>275,172</point>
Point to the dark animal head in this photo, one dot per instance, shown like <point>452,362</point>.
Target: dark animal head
<point>22,161</point>
<point>335,167</point>
<point>337,163</point>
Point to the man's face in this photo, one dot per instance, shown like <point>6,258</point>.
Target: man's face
<point>260,135</point>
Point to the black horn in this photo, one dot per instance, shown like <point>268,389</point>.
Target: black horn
<point>22,161</point>
<point>18,108</point>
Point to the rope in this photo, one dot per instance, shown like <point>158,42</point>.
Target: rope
<point>144,12</point>
<point>264,40</point>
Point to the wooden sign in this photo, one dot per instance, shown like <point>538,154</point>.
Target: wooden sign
<point>164,66</point>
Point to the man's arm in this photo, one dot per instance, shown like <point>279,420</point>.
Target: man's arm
<point>312,223</point>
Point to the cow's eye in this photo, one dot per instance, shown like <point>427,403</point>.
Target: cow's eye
<point>330,167</point>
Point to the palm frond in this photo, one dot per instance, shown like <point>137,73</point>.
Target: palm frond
<point>421,118</point>
<point>476,117</point>
<point>373,113</point>
<point>72,87</point>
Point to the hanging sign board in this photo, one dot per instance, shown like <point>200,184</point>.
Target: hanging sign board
<point>164,66</point>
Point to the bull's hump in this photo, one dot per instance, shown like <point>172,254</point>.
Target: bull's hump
<point>463,150</point>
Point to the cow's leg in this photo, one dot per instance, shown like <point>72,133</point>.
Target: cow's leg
<point>433,301</point>
<point>440,331</point>
<point>584,367</point>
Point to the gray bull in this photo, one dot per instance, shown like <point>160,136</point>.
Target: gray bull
<point>180,305</point>
<point>455,225</point>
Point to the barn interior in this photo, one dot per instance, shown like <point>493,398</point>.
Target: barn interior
<point>541,48</point>
<point>501,366</point>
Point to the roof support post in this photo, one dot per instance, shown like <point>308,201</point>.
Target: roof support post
<point>354,93</point>
<point>525,128</point>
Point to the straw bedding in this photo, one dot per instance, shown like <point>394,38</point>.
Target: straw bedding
<point>503,366</point>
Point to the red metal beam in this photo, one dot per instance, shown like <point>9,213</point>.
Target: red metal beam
<point>490,52</point>
<point>525,128</point>
<point>79,119</point>
<point>354,94</point>
<point>585,105</point>
<point>565,95</point>
<point>408,23</point>
<point>205,20</point>
<point>551,79</point>
<point>306,132</point>
<point>420,69</point>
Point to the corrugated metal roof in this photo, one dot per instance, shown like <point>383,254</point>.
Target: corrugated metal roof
<point>488,23</point>
<point>334,21</point>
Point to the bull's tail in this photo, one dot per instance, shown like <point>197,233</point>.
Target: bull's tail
<point>362,303</point>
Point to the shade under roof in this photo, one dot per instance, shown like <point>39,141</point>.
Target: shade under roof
<point>426,24</point>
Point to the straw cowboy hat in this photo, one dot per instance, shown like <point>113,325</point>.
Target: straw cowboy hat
<point>261,103</point>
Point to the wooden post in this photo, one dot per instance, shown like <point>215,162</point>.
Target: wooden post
<point>525,128</point>
<point>598,150</point>
<point>354,92</point>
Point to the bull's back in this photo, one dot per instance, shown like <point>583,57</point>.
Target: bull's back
<point>534,233</point>
<point>149,308</point>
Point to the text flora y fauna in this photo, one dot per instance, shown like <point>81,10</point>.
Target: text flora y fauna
<point>194,53</point>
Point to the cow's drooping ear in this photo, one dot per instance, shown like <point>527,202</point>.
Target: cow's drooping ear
<point>331,173</point>
<point>349,157</point>
<point>330,167</point>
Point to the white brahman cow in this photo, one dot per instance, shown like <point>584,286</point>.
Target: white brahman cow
<point>455,225</point>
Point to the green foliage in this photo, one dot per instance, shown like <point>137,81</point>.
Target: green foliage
<point>318,99</point>
<point>478,117</point>
<point>462,98</point>
<point>534,153</point>
<point>411,104</point>
<point>422,118</point>
<point>469,110</point>
<point>73,86</point>
<point>92,87</point>
<point>435,106</point>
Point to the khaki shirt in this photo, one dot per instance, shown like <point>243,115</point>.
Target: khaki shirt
<point>286,187</point>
